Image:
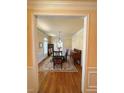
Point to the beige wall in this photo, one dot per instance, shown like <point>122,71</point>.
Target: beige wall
<point>49,39</point>
<point>29,39</point>
<point>77,40</point>
<point>68,42</point>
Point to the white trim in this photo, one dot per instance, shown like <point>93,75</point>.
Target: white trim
<point>60,14</point>
<point>89,76</point>
<point>86,51</point>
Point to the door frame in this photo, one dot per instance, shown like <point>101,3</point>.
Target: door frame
<point>35,64</point>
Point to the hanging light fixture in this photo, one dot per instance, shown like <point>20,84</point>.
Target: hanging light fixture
<point>59,42</point>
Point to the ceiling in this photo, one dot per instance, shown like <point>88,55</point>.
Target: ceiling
<point>52,25</point>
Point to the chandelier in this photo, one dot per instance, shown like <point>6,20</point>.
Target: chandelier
<point>59,42</point>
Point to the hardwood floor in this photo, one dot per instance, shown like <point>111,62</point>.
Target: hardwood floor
<point>60,82</point>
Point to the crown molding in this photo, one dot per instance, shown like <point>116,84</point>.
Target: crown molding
<point>66,5</point>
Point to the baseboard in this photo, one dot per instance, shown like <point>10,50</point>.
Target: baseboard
<point>43,60</point>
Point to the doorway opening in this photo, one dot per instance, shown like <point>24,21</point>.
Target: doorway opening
<point>78,39</point>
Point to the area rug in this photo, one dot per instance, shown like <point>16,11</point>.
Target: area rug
<point>47,65</point>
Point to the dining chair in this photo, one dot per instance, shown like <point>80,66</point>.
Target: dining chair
<point>57,61</point>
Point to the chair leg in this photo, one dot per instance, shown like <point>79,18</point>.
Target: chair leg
<point>61,65</point>
<point>66,59</point>
<point>54,65</point>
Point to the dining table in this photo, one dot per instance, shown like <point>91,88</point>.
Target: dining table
<point>60,54</point>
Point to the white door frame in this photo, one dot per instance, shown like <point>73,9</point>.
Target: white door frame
<point>85,49</point>
<point>35,64</point>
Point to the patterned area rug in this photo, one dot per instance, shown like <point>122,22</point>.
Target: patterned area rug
<point>67,66</point>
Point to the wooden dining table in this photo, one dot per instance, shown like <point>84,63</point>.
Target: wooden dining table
<point>58,54</point>
<point>58,57</point>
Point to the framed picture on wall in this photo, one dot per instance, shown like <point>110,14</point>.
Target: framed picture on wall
<point>40,45</point>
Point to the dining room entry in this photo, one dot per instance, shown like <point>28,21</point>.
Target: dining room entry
<point>62,39</point>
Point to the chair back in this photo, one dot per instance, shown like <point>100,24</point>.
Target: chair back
<point>66,54</point>
<point>57,59</point>
<point>57,53</point>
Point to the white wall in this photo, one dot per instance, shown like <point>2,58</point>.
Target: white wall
<point>40,51</point>
<point>77,40</point>
<point>68,42</point>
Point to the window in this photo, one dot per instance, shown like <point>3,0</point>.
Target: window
<point>45,46</point>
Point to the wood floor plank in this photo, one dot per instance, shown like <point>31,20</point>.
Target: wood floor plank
<point>61,82</point>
